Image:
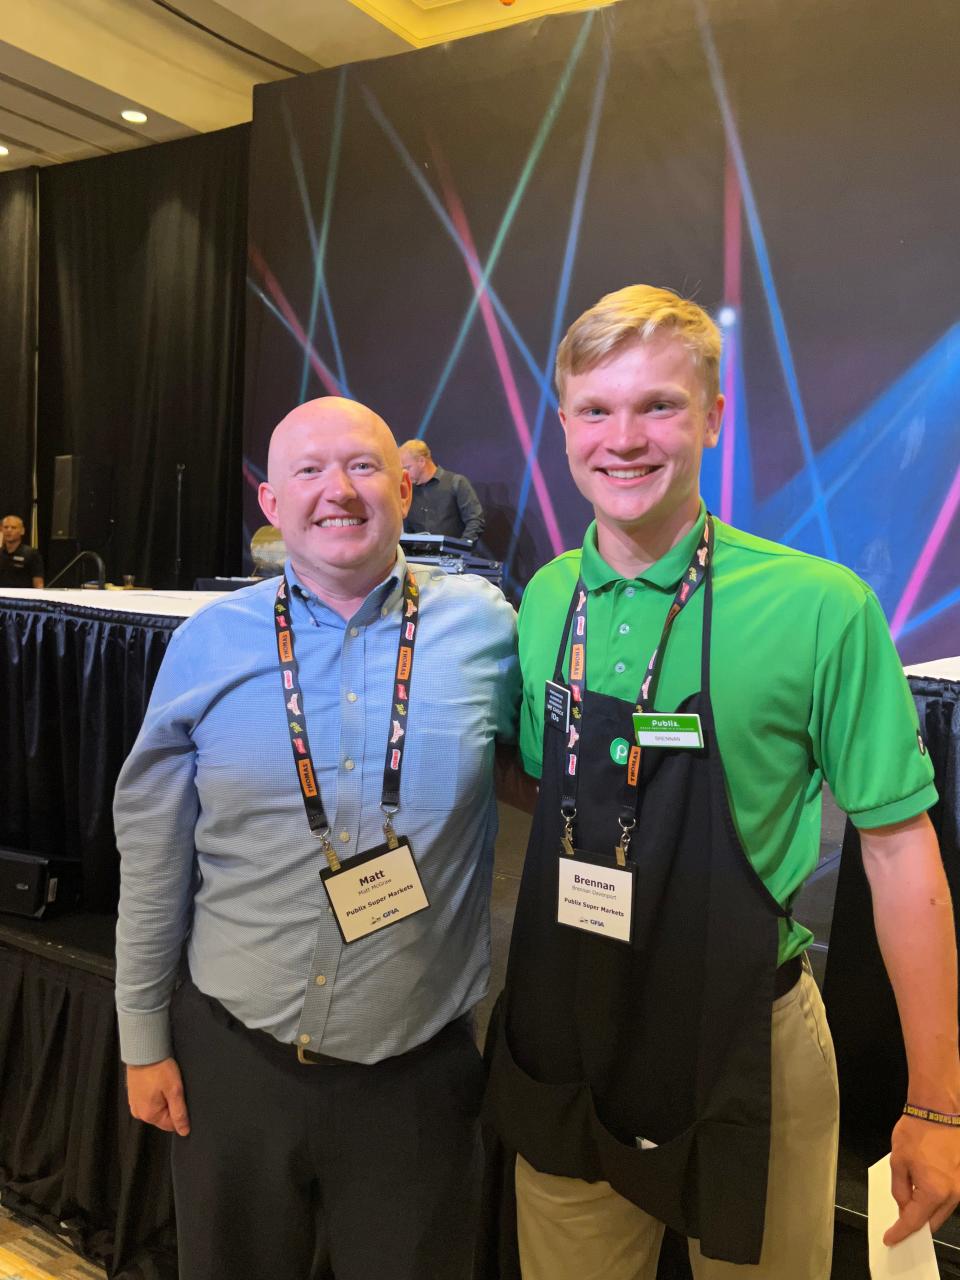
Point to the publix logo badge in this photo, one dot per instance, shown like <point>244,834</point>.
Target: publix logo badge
<point>619,750</point>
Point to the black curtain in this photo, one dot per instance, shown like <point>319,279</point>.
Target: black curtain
<point>142,279</point>
<point>71,1156</point>
<point>18,335</point>
<point>74,687</point>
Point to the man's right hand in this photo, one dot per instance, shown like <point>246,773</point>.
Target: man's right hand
<point>155,1094</point>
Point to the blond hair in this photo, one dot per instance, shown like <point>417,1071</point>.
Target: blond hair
<point>419,449</point>
<point>639,313</point>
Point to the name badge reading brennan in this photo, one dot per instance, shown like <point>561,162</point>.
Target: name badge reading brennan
<point>374,890</point>
<point>657,730</point>
<point>596,897</point>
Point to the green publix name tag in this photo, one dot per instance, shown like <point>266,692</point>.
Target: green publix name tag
<point>653,730</point>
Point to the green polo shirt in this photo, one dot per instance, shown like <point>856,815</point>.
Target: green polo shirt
<point>806,684</point>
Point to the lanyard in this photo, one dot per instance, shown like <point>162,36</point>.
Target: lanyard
<point>297,721</point>
<point>576,627</point>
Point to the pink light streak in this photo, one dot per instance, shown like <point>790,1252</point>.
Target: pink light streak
<point>927,556</point>
<point>459,218</point>
<point>283,306</point>
<point>732,296</point>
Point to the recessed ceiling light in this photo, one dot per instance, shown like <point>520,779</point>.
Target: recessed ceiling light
<point>4,151</point>
<point>134,117</point>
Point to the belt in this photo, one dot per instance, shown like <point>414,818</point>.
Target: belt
<point>788,975</point>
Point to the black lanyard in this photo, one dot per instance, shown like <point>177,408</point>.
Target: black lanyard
<point>297,721</point>
<point>576,629</point>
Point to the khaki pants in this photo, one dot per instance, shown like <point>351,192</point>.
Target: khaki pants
<point>573,1230</point>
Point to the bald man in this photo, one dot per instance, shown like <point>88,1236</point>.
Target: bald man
<point>20,564</point>
<point>306,827</point>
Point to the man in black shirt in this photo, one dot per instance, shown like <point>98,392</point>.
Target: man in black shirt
<point>443,501</point>
<point>20,564</point>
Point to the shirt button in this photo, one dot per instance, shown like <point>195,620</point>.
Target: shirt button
<point>351,696</point>
<point>384,611</point>
<point>320,980</point>
<point>354,631</point>
<point>620,668</point>
<point>348,765</point>
<point>624,628</point>
<point>631,592</point>
<point>304,1039</point>
<point>344,836</point>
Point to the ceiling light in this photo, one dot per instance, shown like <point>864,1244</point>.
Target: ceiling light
<point>4,151</point>
<point>134,117</point>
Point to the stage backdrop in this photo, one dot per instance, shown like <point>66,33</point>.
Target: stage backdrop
<point>423,228</point>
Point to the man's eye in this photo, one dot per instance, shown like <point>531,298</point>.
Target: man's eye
<point>363,466</point>
<point>594,411</point>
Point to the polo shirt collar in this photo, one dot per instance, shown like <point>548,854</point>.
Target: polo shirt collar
<point>663,573</point>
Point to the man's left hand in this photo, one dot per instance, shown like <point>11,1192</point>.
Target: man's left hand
<point>925,1161</point>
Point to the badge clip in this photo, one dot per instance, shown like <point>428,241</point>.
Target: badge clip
<point>626,831</point>
<point>566,839</point>
<point>388,831</point>
<point>333,862</point>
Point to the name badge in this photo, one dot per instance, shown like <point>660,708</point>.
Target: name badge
<point>596,897</point>
<point>374,890</point>
<point>655,730</point>
<point>556,706</point>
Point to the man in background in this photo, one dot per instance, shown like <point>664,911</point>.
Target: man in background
<point>443,501</point>
<point>304,776</point>
<point>20,564</point>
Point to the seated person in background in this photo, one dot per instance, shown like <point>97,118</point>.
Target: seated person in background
<point>20,564</point>
<point>443,501</point>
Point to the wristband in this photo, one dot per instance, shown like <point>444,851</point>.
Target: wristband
<point>935,1117</point>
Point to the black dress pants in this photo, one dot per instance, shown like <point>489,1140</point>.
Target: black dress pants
<point>303,1172</point>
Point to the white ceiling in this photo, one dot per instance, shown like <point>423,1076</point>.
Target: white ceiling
<point>69,67</point>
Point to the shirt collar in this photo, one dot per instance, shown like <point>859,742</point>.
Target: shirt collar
<point>664,573</point>
<point>381,599</point>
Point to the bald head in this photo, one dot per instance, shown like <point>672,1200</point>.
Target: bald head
<point>327,416</point>
<point>13,532</point>
<point>337,492</point>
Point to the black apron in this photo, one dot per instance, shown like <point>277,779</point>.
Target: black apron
<point>600,1043</point>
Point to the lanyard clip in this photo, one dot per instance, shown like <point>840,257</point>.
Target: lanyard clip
<point>329,852</point>
<point>566,839</point>
<point>626,830</point>
<point>388,831</point>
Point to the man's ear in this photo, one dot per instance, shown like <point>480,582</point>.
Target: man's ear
<point>268,504</point>
<point>406,491</point>
<point>714,421</point>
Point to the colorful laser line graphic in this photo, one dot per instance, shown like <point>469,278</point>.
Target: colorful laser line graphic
<point>927,556</point>
<point>285,312</point>
<point>563,290</point>
<point>459,218</point>
<point>733,301</point>
<point>319,243</point>
<point>765,269</point>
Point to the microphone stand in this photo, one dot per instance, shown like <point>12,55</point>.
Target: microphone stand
<point>181,467</point>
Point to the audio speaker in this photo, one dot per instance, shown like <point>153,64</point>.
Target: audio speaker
<point>31,885</point>
<point>81,501</point>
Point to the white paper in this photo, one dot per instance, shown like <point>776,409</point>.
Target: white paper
<point>911,1259</point>
<point>376,893</point>
<point>595,899</point>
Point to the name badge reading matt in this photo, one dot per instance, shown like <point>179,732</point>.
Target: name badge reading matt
<point>376,889</point>
<point>653,730</point>
<point>596,897</point>
<point>556,706</point>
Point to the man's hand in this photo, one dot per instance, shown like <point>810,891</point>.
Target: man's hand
<point>926,1175</point>
<point>155,1094</point>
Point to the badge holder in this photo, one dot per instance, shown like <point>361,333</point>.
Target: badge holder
<point>594,893</point>
<point>376,889</point>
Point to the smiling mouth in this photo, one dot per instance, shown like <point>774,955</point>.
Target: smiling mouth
<point>341,522</point>
<point>627,473</point>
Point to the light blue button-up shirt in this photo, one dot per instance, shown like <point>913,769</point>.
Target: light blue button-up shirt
<point>214,842</point>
